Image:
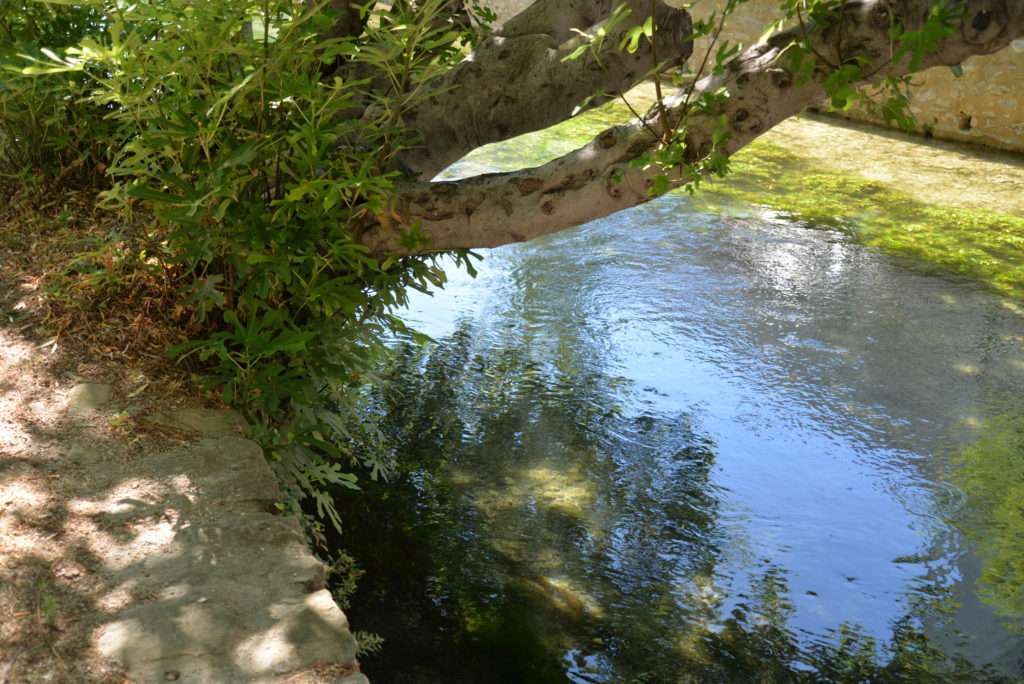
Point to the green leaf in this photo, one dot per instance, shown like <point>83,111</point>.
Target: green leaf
<point>648,27</point>
<point>147,193</point>
<point>577,53</point>
<point>659,185</point>
<point>242,155</point>
<point>226,97</point>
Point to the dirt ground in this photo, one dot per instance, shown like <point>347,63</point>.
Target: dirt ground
<point>138,537</point>
<point>63,442</point>
<point>52,533</point>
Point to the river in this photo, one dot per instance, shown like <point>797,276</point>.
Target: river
<point>691,444</point>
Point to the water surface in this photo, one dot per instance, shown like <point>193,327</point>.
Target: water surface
<point>674,445</point>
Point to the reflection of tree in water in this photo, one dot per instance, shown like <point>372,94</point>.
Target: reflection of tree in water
<point>518,471</point>
<point>539,533</point>
<point>755,645</point>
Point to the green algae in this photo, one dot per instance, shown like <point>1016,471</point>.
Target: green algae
<point>537,148</point>
<point>984,245</point>
<point>991,474</point>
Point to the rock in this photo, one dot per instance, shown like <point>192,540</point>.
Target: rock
<point>985,108</point>
<point>69,570</point>
<point>87,397</point>
<point>233,592</point>
<point>204,422</point>
<point>356,678</point>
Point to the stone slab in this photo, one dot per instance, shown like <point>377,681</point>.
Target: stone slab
<point>87,397</point>
<point>223,589</point>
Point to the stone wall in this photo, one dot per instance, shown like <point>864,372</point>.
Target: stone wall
<point>984,106</point>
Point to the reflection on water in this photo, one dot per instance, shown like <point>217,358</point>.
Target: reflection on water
<point>673,446</point>
<point>991,473</point>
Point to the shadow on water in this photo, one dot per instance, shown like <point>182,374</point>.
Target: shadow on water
<point>519,469</point>
<point>541,532</point>
<point>702,444</point>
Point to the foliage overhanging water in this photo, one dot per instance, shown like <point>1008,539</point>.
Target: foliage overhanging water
<point>689,445</point>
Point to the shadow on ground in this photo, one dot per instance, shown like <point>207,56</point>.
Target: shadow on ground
<point>147,556</point>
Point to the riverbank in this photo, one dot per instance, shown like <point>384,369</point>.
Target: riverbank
<point>951,208</point>
<point>718,437</point>
<point>97,496</point>
<point>138,535</point>
<point>948,208</point>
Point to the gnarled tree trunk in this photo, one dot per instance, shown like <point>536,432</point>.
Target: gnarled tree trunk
<point>517,82</point>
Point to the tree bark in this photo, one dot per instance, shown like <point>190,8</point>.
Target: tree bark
<point>516,81</point>
<point>597,180</point>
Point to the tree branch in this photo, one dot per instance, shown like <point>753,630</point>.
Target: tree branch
<point>517,82</point>
<point>597,180</point>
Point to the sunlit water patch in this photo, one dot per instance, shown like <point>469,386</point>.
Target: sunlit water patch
<point>674,445</point>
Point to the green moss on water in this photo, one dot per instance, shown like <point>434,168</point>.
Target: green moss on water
<point>984,245</point>
<point>537,148</point>
<point>991,474</point>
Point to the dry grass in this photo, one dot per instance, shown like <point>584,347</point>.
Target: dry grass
<point>76,303</point>
<point>93,290</point>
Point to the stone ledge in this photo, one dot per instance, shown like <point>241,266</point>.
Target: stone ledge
<point>222,589</point>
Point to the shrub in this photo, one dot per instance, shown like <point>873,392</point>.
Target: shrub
<point>254,152</point>
<point>50,135</point>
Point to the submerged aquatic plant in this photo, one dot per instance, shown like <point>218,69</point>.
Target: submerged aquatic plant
<point>991,474</point>
<point>981,244</point>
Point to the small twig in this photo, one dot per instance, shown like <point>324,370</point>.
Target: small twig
<point>703,65</point>
<point>803,30</point>
<point>643,121</point>
<point>663,114</point>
